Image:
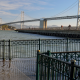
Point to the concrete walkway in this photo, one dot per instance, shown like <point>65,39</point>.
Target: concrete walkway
<point>11,72</point>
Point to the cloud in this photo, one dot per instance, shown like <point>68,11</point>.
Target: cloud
<point>38,2</point>
<point>7,13</point>
<point>10,5</point>
<point>42,2</point>
<point>7,6</point>
<point>33,8</point>
<point>18,4</point>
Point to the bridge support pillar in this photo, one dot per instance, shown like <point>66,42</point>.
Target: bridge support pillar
<point>43,23</point>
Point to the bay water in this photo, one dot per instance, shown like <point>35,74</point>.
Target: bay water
<point>13,35</point>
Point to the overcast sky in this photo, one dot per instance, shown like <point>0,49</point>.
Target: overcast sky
<point>10,10</point>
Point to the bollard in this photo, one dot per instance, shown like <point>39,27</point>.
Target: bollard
<point>37,66</point>
<point>72,73</point>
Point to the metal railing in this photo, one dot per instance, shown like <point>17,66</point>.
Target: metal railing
<point>67,56</point>
<point>27,48</point>
<point>49,68</point>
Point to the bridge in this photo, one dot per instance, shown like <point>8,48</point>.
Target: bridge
<point>72,32</point>
<point>43,21</point>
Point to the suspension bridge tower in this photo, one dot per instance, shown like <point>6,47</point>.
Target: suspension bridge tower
<point>0,23</point>
<point>78,19</point>
<point>22,19</point>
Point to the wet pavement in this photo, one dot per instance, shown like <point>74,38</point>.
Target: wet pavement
<point>9,71</point>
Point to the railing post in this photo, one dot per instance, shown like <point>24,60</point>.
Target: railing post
<point>67,44</point>
<point>49,53</point>
<point>72,73</point>
<point>39,44</point>
<point>9,49</point>
<point>48,73</point>
<point>3,50</point>
<point>67,57</point>
<point>37,66</point>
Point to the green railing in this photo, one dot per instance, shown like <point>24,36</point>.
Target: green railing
<point>66,56</point>
<point>49,68</point>
<point>27,48</point>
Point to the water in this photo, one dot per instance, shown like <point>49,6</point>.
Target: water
<point>13,35</point>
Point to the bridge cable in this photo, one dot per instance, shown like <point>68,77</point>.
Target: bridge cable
<point>67,8</point>
<point>29,16</point>
<point>16,17</point>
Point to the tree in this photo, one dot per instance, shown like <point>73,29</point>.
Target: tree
<point>4,27</point>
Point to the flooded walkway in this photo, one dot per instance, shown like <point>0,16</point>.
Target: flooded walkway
<point>11,70</point>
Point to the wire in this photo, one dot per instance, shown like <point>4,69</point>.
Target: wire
<point>67,9</point>
<point>16,18</point>
<point>29,16</point>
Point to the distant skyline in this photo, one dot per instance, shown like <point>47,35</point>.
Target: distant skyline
<point>10,10</point>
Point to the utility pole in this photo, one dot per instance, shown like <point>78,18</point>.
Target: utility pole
<point>22,19</point>
<point>1,23</point>
<point>78,19</point>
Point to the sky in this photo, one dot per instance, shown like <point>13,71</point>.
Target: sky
<point>10,10</point>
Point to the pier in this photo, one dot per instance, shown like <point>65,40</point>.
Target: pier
<point>65,32</point>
